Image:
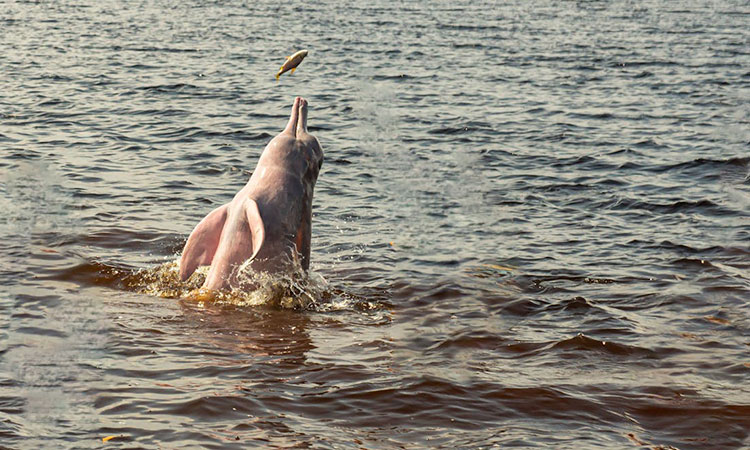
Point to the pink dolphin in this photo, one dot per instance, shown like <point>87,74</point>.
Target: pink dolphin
<point>267,222</point>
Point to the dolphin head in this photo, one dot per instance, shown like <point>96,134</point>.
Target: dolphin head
<point>295,148</point>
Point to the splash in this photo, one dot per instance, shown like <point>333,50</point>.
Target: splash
<point>291,289</point>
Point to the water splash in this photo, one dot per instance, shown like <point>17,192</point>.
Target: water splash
<point>291,289</point>
<point>294,289</point>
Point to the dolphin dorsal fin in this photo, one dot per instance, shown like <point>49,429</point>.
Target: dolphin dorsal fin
<point>257,227</point>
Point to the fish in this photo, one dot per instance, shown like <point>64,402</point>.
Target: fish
<point>291,63</point>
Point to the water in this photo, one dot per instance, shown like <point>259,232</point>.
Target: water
<point>531,228</point>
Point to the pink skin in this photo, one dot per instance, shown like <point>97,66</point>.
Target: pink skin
<point>269,220</point>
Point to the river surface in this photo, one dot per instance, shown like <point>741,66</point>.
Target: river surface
<point>531,229</point>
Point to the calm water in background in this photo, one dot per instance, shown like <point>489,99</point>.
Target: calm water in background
<point>531,228</point>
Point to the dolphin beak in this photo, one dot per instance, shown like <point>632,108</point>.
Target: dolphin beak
<point>298,118</point>
<point>302,117</point>
<point>292,124</point>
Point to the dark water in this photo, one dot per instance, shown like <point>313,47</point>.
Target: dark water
<point>531,228</point>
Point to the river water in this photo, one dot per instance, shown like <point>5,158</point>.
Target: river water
<point>531,228</point>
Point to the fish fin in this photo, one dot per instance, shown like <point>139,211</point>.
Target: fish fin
<point>277,76</point>
<point>257,227</point>
<point>203,241</point>
<point>293,69</point>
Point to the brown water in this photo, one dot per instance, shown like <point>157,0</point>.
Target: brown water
<point>531,228</point>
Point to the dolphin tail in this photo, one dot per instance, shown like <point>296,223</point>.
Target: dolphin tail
<point>203,242</point>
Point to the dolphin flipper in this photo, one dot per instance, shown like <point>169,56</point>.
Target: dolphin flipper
<point>203,241</point>
<point>257,227</point>
<point>303,238</point>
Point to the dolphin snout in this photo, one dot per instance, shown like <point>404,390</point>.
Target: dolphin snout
<point>302,116</point>
<point>298,117</point>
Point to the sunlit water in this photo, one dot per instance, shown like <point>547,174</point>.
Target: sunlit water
<point>531,228</point>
